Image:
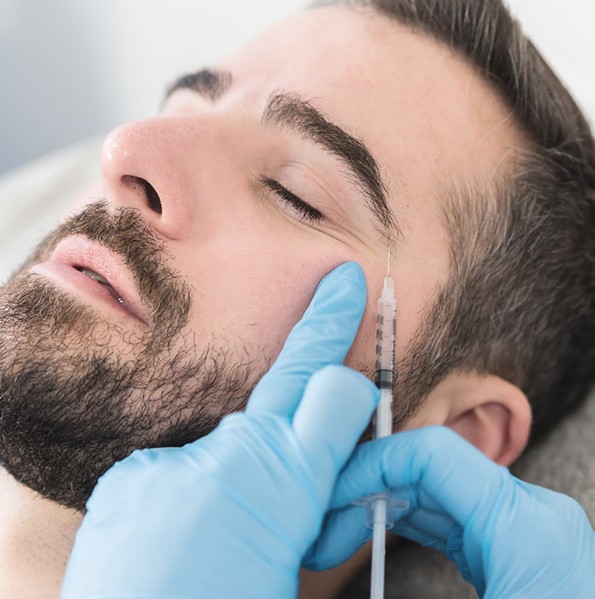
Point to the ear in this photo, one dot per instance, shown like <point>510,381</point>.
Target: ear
<point>491,413</point>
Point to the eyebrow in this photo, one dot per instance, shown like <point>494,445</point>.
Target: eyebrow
<point>208,83</point>
<point>291,112</point>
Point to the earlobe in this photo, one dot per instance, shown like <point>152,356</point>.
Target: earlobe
<point>491,413</point>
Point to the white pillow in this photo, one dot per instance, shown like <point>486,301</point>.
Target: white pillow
<point>35,197</point>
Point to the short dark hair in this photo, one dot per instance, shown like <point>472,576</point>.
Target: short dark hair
<point>520,299</point>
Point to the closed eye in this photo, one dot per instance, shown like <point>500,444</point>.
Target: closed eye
<point>306,212</point>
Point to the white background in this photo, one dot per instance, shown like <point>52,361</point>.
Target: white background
<point>74,68</point>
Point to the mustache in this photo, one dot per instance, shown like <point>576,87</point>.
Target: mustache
<point>123,231</point>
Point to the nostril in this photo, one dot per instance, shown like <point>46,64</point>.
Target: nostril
<point>151,195</point>
<point>152,198</point>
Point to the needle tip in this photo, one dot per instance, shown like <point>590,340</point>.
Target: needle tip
<point>388,263</point>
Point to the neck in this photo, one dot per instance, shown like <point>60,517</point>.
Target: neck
<point>35,541</point>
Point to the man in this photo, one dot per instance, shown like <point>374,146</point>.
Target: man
<point>152,313</point>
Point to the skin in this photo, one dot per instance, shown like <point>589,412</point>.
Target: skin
<point>251,261</point>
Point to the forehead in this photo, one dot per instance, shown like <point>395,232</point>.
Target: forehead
<point>427,115</point>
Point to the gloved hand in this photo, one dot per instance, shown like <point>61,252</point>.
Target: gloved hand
<point>231,515</point>
<point>508,538</point>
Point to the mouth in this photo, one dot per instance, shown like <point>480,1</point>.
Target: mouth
<point>89,269</point>
<point>102,280</point>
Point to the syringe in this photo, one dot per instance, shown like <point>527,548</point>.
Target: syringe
<point>383,423</point>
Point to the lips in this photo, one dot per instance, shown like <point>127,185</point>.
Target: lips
<point>106,269</point>
<point>99,279</point>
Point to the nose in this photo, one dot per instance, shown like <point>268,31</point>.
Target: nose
<point>147,165</point>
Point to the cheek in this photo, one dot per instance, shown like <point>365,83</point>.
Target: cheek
<point>250,290</point>
<point>362,356</point>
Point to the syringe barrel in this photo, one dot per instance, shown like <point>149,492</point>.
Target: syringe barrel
<point>385,358</point>
<point>383,417</point>
<point>385,366</point>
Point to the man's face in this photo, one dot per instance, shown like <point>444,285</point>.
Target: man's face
<point>253,258</point>
<point>255,184</point>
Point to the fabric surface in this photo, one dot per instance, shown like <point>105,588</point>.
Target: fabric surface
<point>34,198</point>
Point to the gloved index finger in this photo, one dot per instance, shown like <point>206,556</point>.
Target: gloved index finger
<point>323,336</point>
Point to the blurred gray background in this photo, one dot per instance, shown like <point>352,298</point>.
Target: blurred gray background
<point>70,69</point>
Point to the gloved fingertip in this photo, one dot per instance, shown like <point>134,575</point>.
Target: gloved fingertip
<point>349,271</point>
<point>338,384</point>
<point>362,386</point>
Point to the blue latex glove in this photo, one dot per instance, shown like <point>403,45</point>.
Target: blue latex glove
<point>231,515</point>
<point>508,538</point>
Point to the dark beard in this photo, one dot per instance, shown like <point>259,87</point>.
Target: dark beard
<point>71,405</point>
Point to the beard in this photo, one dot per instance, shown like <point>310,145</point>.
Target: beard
<point>71,405</point>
